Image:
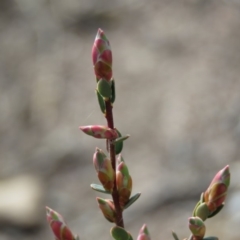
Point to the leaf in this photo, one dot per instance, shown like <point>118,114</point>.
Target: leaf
<point>101,102</point>
<point>216,211</point>
<point>121,139</point>
<point>99,188</point>
<point>202,211</point>
<point>119,233</point>
<point>130,236</point>
<point>210,238</point>
<point>113,96</point>
<point>104,88</point>
<point>118,145</point>
<point>200,201</point>
<point>175,235</point>
<point>132,200</point>
<point>195,208</point>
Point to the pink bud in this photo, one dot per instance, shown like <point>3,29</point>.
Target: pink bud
<point>124,183</point>
<point>102,56</point>
<point>216,193</point>
<point>215,196</point>
<point>107,208</point>
<point>104,169</point>
<point>99,131</point>
<point>143,233</point>
<point>197,227</point>
<point>58,226</point>
<point>223,176</point>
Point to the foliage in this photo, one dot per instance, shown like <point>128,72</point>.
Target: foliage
<point>113,173</point>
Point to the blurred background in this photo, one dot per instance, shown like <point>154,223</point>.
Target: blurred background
<point>177,67</point>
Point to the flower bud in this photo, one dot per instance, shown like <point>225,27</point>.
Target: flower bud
<point>104,169</point>
<point>223,176</point>
<point>124,183</point>
<point>197,227</point>
<point>107,208</point>
<point>99,131</point>
<point>216,193</point>
<point>102,56</point>
<point>143,233</point>
<point>58,226</point>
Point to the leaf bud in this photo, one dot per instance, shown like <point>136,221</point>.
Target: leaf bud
<point>144,233</point>
<point>102,56</point>
<point>197,227</point>
<point>104,169</point>
<point>99,131</point>
<point>124,183</point>
<point>216,193</point>
<point>58,226</point>
<point>107,208</point>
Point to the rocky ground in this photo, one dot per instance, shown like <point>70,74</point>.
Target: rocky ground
<point>176,65</point>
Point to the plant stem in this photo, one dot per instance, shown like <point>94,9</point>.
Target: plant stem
<point>115,195</point>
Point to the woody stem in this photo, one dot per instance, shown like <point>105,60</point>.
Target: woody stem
<point>115,195</point>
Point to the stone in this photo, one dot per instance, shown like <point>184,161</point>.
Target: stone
<point>21,199</point>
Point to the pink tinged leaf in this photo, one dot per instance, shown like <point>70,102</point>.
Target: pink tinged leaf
<point>124,183</point>
<point>107,208</point>
<point>104,169</point>
<point>103,70</point>
<point>216,193</point>
<point>61,231</point>
<point>53,215</point>
<point>58,226</point>
<point>143,233</point>
<point>99,131</point>
<point>98,159</point>
<point>223,176</point>
<point>102,57</point>
<point>106,181</point>
<point>216,196</point>
<point>197,227</point>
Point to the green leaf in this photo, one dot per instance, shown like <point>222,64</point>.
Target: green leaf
<point>216,211</point>
<point>118,145</point>
<point>104,88</point>
<point>175,235</point>
<point>99,188</point>
<point>101,102</point>
<point>210,238</point>
<point>119,233</point>
<point>132,200</point>
<point>113,96</point>
<point>195,208</point>
<point>200,201</point>
<point>121,139</point>
<point>202,211</point>
<point>130,236</point>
